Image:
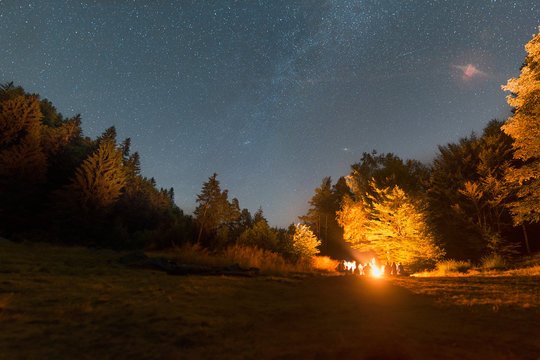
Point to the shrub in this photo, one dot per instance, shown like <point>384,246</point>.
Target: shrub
<point>305,242</point>
<point>260,235</point>
<point>325,263</point>
<point>453,266</point>
<point>493,262</point>
<point>268,262</point>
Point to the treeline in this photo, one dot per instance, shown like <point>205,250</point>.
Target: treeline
<point>458,206</point>
<point>478,197</point>
<point>58,185</point>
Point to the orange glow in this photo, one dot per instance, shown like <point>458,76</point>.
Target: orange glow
<point>370,269</point>
<point>376,271</point>
<point>349,265</point>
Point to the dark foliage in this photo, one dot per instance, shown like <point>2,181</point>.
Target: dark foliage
<point>58,185</point>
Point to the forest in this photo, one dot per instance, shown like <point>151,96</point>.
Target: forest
<point>478,198</point>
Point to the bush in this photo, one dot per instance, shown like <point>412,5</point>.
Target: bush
<point>305,243</point>
<point>324,263</point>
<point>268,262</point>
<point>493,262</point>
<point>453,266</point>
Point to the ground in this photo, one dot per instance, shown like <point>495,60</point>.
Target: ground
<point>58,303</point>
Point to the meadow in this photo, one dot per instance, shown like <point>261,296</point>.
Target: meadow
<point>66,303</point>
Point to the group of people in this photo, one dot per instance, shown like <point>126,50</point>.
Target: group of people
<point>393,269</point>
<point>351,267</point>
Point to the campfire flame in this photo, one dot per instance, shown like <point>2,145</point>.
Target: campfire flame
<point>374,270</point>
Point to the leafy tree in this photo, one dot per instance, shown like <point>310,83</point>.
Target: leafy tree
<point>397,229</point>
<point>391,224</point>
<point>468,196</point>
<point>524,128</point>
<point>321,216</point>
<point>388,170</point>
<point>260,235</point>
<point>353,218</point>
<point>489,195</point>
<point>447,212</point>
<point>285,239</point>
<point>305,243</point>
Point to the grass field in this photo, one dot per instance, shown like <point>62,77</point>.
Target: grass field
<point>74,303</point>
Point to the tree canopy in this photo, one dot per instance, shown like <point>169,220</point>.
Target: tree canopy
<point>524,128</point>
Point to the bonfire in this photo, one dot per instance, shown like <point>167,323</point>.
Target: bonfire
<point>370,269</point>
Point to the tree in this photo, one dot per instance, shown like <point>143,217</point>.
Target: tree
<point>321,216</point>
<point>391,224</point>
<point>260,235</point>
<point>245,221</point>
<point>524,128</point>
<point>21,154</point>
<point>490,194</point>
<point>259,216</point>
<point>388,170</point>
<point>99,181</point>
<point>448,211</point>
<point>214,214</point>
<point>353,218</point>
<point>305,242</point>
<point>23,163</point>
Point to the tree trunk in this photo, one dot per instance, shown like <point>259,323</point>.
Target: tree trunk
<point>202,223</point>
<point>326,232</point>
<point>526,239</point>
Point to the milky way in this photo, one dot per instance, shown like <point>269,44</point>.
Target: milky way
<point>271,95</point>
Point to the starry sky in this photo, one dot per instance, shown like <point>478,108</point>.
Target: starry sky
<point>271,95</point>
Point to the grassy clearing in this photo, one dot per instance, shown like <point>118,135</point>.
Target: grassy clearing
<point>268,262</point>
<point>490,266</point>
<point>67,303</point>
<point>491,291</point>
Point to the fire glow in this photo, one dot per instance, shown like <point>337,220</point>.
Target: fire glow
<point>369,269</point>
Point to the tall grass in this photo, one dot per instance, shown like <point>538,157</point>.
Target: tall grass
<point>493,262</point>
<point>266,261</point>
<point>453,266</point>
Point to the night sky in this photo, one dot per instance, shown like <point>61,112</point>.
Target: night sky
<point>272,95</point>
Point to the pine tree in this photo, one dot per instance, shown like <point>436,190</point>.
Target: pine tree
<point>524,128</point>
<point>23,163</point>
<point>215,214</point>
<point>21,154</point>
<point>259,216</point>
<point>100,179</point>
